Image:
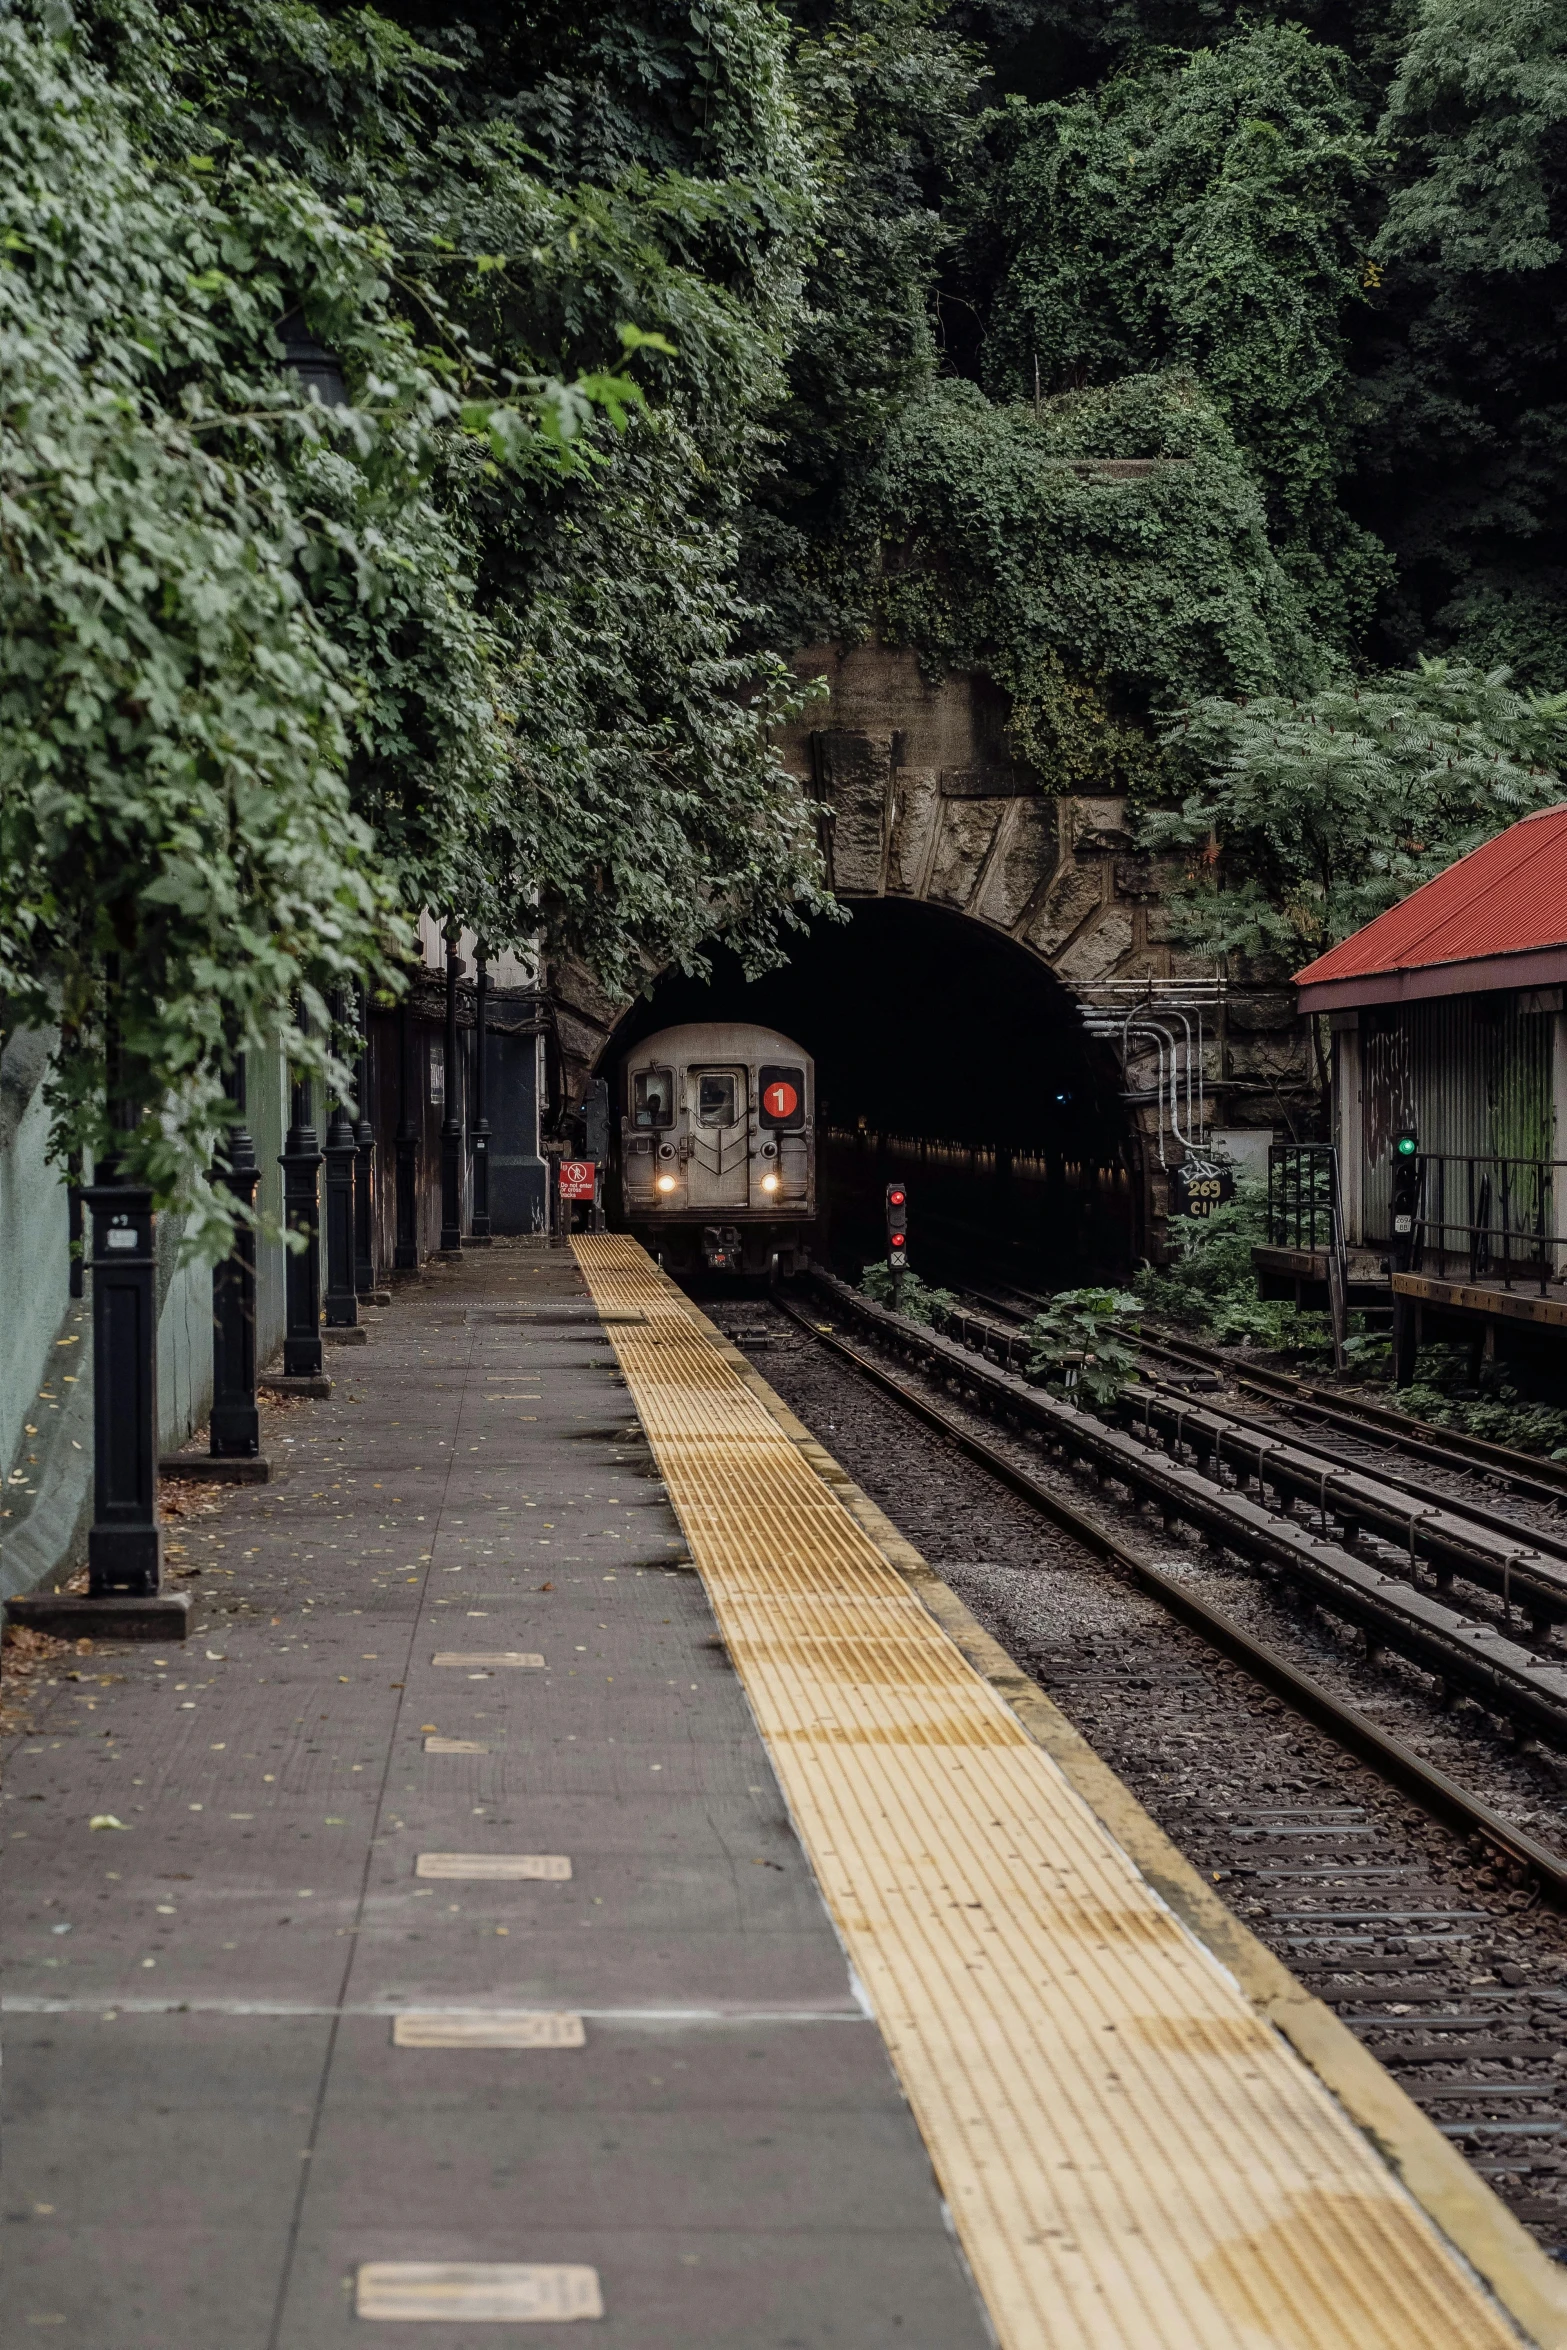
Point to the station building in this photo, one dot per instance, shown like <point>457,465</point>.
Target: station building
<point>1446,1020</point>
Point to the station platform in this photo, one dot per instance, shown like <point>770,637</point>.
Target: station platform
<point>681,1921</point>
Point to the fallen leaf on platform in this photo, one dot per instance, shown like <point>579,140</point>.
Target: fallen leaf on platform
<point>105,1819</point>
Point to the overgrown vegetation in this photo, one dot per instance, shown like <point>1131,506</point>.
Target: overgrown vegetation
<point>1204,213</point>
<point>1449,1390</point>
<point>1084,1344</point>
<point>1209,1287</point>
<point>280,674</point>
<point>678,333</point>
<point>907,1294</point>
<point>1309,817</point>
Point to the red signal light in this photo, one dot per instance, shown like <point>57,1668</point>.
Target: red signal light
<point>897,1226</point>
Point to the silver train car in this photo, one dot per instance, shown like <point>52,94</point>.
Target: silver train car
<point>718,1148</point>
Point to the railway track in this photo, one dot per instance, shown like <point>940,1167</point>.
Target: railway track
<point>1430,1940</point>
<point>1360,1416</point>
<point>1454,1532</point>
<point>1463,1653</point>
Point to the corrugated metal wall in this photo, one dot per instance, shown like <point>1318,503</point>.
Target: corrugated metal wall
<point>1471,1074</point>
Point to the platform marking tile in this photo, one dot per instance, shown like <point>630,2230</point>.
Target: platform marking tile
<point>487,1662</point>
<point>477,2027</point>
<point>477,2291</point>
<point>553,1867</point>
<point>1132,2158</point>
<point>459,1746</point>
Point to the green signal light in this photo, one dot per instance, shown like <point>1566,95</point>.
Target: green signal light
<point>1407,1146</point>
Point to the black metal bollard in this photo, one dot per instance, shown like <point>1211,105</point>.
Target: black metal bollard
<point>236,1424</point>
<point>479,1234</point>
<point>340,1151</point>
<point>301,1161</point>
<point>125,1546</point>
<point>125,1598</point>
<point>451,1121</point>
<point>405,1255</point>
<point>364,1164</point>
<point>75,1235</point>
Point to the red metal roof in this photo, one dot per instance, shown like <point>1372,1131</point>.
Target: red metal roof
<point>1498,918</point>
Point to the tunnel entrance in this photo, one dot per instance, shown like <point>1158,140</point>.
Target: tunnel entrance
<point>949,1057</point>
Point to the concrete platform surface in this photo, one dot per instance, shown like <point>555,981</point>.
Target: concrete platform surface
<point>209,2130</point>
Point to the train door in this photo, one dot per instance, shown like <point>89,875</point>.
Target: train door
<point>718,1172</point>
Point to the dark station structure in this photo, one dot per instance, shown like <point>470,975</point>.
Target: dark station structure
<point>1449,1052</point>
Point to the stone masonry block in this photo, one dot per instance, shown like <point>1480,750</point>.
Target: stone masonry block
<point>968,827</point>
<point>917,807</point>
<point>1075,894</point>
<point>1026,857</point>
<point>855,772</point>
<point>1098,951</point>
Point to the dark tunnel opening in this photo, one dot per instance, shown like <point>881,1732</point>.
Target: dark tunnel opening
<point>951,1059</point>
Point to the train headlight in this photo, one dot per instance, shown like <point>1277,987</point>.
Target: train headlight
<point>666,1183</point>
<point>769,1183</point>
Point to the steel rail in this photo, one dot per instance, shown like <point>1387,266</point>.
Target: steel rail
<point>1459,1504</point>
<point>1360,1415</point>
<point>1538,1480</point>
<point>1437,1794</point>
<point>1475,1659</point>
<point>1501,1556</point>
<point>1453,1537</point>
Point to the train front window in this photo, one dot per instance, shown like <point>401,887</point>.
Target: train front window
<point>653,1097</point>
<point>715,1098</point>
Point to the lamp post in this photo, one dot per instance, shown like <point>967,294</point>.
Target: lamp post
<point>340,1151</point>
<point>479,1233</point>
<point>300,1162</point>
<point>451,1121</point>
<point>364,1164</point>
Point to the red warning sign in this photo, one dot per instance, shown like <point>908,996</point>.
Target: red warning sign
<point>577,1178</point>
<point>780,1100</point>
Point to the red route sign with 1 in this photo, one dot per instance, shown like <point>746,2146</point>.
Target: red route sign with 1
<point>780,1100</point>
<point>577,1178</point>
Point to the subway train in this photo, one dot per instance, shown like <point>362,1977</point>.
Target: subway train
<point>718,1148</point>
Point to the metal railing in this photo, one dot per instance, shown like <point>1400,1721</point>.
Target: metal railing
<point>1306,1212</point>
<point>1302,1193</point>
<point>1493,1219</point>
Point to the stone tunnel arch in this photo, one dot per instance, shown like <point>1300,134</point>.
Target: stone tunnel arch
<point>927,808</point>
<point>946,1056</point>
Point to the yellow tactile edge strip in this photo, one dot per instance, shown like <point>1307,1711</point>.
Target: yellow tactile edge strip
<point>1475,2221</point>
<point>1185,2229</point>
